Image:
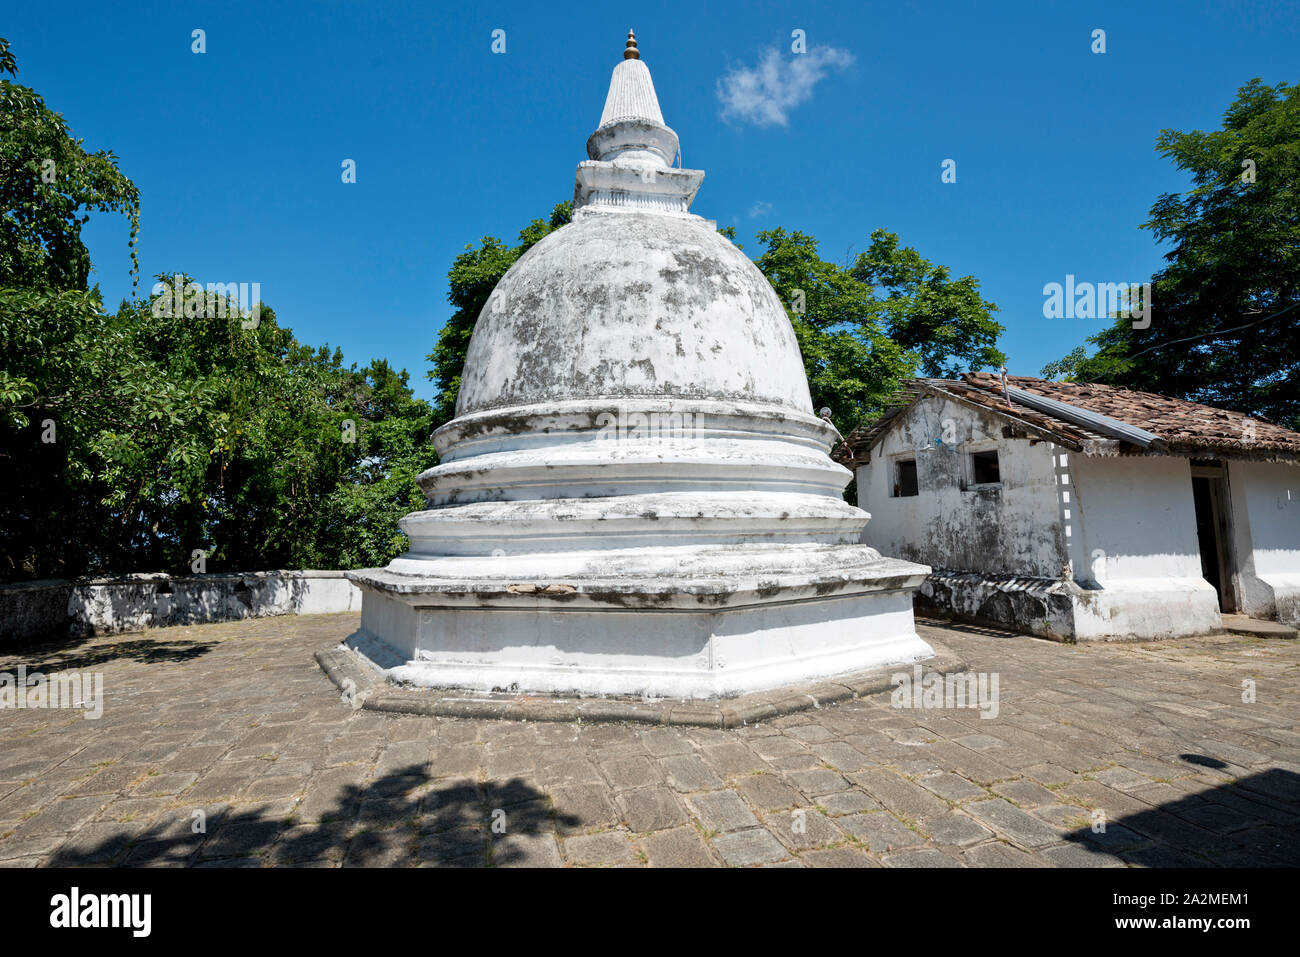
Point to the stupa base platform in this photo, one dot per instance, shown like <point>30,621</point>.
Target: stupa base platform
<point>696,638</point>
<point>366,688</point>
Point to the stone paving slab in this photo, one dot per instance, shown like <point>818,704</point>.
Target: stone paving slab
<point>1245,625</point>
<point>227,746</point>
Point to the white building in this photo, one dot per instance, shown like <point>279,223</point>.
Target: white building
<point>1081,511</point>
<point>635,496</point>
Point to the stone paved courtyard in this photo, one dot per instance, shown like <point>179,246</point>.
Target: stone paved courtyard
<point>234,726</point>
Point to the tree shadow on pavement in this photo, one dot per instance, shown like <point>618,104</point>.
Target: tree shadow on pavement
<point>69,653</point>
<point>402,819</point>
<point>1250,822</point>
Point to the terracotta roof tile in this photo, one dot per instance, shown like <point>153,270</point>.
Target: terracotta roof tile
<point>1182,426</point>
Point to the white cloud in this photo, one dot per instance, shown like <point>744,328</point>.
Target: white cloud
<point>765,94</point>
<point>760,208</point>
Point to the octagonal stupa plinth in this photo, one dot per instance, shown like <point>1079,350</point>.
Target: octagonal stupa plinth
<point>635,496</point>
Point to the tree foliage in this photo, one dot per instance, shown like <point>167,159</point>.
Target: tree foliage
<point>945,321</point>
<point>49,185</point>
<point>471,279</point>
<point>865,328</point>
<point>851,363</point>
<point>135,438</point>
<point>1223,327</point>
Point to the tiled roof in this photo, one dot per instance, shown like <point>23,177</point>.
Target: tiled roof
<point>1180,426</point>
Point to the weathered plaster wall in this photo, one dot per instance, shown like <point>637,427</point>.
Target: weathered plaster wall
<point>1012,530</point>
<point>52,609</point>
<point>1266,537</point>
<point>37,609</point>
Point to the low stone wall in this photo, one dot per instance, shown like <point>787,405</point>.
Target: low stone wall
<point>1064,610</point>
<point>1040,606</point>
<point>53,609</point>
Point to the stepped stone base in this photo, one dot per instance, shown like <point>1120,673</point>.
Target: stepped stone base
<point>366,688</point>
<point>669,638</point>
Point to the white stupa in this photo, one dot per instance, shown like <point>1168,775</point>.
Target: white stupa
<point>635,496</point>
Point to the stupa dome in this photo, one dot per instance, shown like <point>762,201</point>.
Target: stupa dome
<point>621,304</point>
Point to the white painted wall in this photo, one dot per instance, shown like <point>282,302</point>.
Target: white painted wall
<point>30,610</point>
<point>134,604</point>
<point>1134,548</point>
<point>1137,517</point>
<point>1013,530</point>
<point>1266,537</point>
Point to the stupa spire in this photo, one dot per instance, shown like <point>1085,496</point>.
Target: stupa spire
<point>631,91</point>
<point>632,150</point>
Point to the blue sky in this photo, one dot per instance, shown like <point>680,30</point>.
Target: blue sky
<point>238,151</point>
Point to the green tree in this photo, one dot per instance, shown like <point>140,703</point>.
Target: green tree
<point>945,321</point>
<point>73,389</point>
<point>172,433</point>
<point>357,517</point>
<point>1223,326</point>
<point>864,329</point>
<point>305,462</point>
<point>48,186</point>
<point>1067,367</point>
<point>471,279</point>
<point>851,362</point>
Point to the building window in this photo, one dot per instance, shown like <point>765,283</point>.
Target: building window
<point>984,468</point>
<point>905,478</point>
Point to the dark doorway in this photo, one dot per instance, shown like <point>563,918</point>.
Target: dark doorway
<point>1210,495</point>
